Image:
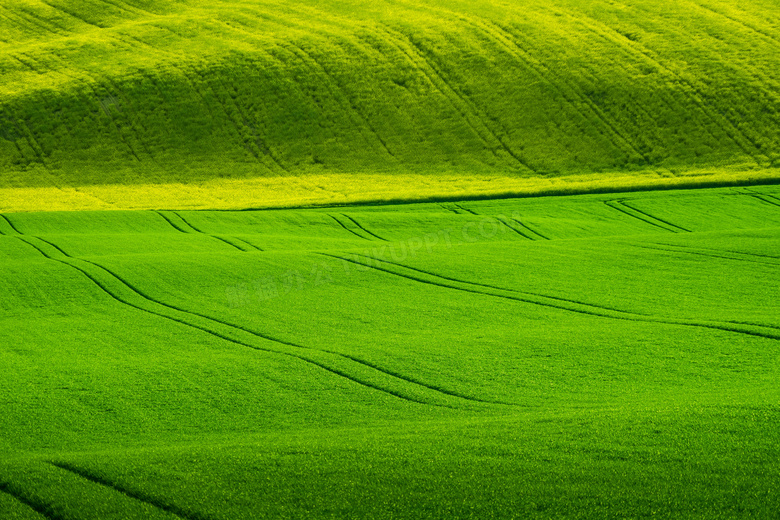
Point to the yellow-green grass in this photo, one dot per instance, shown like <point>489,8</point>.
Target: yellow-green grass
<point>603,355</point>
<point>230,103</point>
<point>355,188</point>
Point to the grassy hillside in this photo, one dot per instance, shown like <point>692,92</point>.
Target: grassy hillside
<point>401,98</point>
<point>598,356</point>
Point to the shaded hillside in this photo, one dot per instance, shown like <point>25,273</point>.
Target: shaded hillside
<point>100,92</point>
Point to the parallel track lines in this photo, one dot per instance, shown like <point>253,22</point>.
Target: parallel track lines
<point>508,40</point>
<point>72,262</point>
<point>173,510</point>
<point>42,509</point>
<point>530,229</point>
<point>504,222</point>
<point>181,229</point>
<point>737,21</point>
<point>631,212</point>
<point>767,199</point>
<point>340,223</point>
<point>468,111</point>
<point>10,223</point>
<point>338,92</point>
<point>692,93</point>
<point>648,215</point>
<point>363,228</point>
<point>72,15</point>
<point>679,250</point>
<point>544,301</point>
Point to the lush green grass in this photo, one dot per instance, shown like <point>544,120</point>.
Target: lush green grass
<point>200,94</point>
<point>590,356</point>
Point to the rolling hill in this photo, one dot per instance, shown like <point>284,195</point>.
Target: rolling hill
<point>593,356</point>
<point>229,103</point>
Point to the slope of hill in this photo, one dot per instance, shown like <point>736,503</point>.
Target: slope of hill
<point>297,98</point>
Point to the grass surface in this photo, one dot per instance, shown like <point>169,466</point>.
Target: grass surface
<point>591,356</point>
<point>237,104</point>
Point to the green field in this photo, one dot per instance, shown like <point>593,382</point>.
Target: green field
<point>396,259</point>
<point>581,357</point>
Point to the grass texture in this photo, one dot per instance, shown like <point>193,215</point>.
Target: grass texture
<point>139,104</point>
<point>597,356</point>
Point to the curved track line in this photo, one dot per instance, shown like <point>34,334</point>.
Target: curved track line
<point>503,33</point>
<point>467,109</point>
<point>169,221</point>
<point>706,254</point>
<point>525,293</point>
<point>467,210</point>
<point>736,21</point>
<point>213,333</point>
<point>43,510</point>
<point>158,504</point>
<point>196,230</point>
<point>525,226</point>
<point>731,130</point>
<point>508,41</point>
<point>247,243</point>
<point>503,221</point>
<point>623,203</point>
<point>350,107</point>
<point>208,234</point>
<point>589,309</point>
<point>345,227</point>
<point>757,255</point>
<point>764,198</point>
<point>259,335</point>
<point>616,206</point>
<point>10,223</point>
<point>363,228</point>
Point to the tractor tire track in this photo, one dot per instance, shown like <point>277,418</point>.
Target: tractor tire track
<point>528,228</point>
<point>460,103</point>
<point>766,199</point>
<point>10,224</point>
<point>488,286</point>
<point>466,209</point>
<point>504,222</point>
<point>79,18</point>
<point>508,39</point>
<point>648,215</point>
<point>345,227</point>
<point>616,205</point>
<point>26,24</point>
<point>42,509</point>
<point>70,261</point>
<point>586,309</point>
<point>363,228</point>
<point>337,91</point>
<point>692,93</point>
<point>681,251</point>
<point>181,229</point>
<point>141,497</point>
<point>736,21</point>
<point>273,165</point>
<point>450,209</point>
<point>250,244</point>
<point>259,142</point>
<point>90,85</point>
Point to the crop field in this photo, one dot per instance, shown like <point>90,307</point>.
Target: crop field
<point>389,259</point>
<point>585,356</point>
